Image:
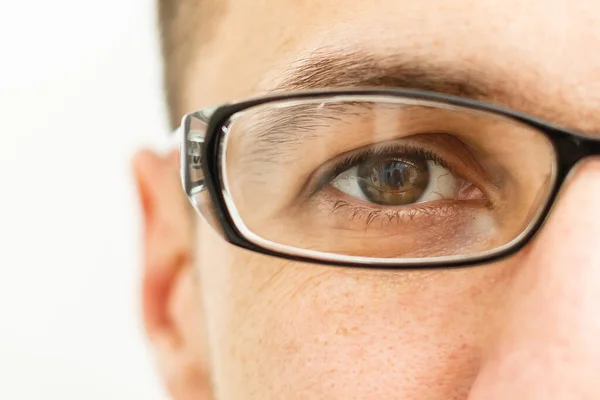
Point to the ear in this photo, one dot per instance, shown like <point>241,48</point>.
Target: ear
<point>171,299</point>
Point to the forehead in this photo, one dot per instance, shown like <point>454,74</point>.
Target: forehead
<point>547,50</point>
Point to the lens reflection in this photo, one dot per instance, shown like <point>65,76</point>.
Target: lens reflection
<point>383,177</point>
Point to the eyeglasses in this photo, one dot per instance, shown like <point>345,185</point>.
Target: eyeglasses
<point>376,178</point>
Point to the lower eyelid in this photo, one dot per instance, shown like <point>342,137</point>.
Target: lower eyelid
<point>341,205</point>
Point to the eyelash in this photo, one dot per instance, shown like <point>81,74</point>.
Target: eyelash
<point>372,215</point>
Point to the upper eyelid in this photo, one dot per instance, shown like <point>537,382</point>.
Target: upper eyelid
<point>408,144</point>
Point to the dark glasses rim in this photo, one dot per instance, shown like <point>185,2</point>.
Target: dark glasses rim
<point>570,147</point>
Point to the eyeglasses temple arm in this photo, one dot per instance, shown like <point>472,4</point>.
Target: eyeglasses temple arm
<point>190,136</point>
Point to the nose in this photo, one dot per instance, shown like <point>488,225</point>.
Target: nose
<point>547,345</point>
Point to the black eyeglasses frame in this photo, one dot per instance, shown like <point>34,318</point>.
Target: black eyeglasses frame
<point>570,147</point>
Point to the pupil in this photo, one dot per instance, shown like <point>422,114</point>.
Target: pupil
<point>395,181</point>
<point>395,175</point>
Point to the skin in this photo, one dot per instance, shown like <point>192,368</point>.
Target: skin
<point>230,324</point>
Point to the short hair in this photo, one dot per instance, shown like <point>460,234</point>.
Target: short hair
<point>184,25</point>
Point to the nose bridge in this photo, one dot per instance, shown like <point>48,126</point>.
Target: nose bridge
<point>560,270</point>
<point>547,345</point>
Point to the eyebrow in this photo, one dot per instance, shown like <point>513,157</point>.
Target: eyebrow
<point>334,69</point>
<point>513,88</point>
<point>342,69</point>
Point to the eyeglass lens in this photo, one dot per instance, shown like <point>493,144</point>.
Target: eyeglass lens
<point>383,177</point>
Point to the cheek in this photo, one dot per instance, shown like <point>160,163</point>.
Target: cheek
<point>303,331</point>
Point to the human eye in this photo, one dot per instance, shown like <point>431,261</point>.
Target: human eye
<point>394,175</point>
<point>400,187</point>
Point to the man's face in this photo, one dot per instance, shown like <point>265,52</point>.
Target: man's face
<point>523,328</point>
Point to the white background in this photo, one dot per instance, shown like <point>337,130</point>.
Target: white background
<point>79,91</point>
